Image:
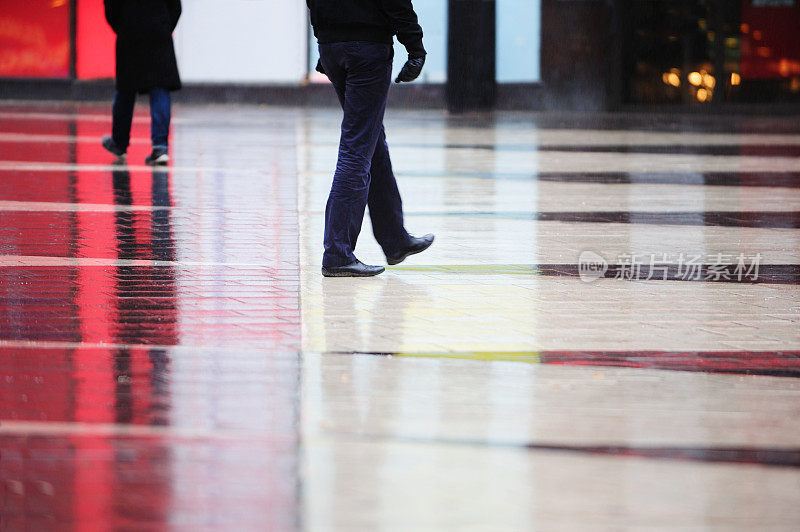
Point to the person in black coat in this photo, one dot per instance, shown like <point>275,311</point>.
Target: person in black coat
<point>146,63</point>
<point>355,47</point>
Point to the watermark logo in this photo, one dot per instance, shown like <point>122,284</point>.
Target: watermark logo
<point>591,266</point>
<point>678,267</point>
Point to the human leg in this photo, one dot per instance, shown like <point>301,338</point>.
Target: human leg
<point>362,91</point>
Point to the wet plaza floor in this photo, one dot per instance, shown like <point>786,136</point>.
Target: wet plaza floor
<point>605,334</point>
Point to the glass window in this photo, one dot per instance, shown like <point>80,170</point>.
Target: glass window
<point>712,50</point>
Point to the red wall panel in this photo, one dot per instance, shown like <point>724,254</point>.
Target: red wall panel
<point>34,38</point>
<point>95,42</point>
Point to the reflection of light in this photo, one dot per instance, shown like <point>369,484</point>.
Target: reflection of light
<point>757,35</point>
<point>735,78</point>
<point>795,86</point>
<point>702,95</point>
<point>670,78</point>
<point>709,81</point>
<point>763,51</point>
<point>58,3</point>
<point>695,78</point>
<point>745,28</point>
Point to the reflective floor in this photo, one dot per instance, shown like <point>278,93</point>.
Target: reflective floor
<point>605,334</point>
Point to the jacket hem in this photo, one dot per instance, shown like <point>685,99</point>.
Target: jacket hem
<point>347,33</point>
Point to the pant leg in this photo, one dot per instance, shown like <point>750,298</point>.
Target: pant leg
<point>122,118</point>
<point>385,204</point>
<point>160,114</point>
<point>361,73</point>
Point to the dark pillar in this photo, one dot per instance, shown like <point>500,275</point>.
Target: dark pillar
<point>581,54</point>
<point>471,55</point>
<point>73,39</point>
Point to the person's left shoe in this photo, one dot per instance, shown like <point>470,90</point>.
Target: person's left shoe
<point>417,245</point>
<point>111,147</point>
<point>159,157</point>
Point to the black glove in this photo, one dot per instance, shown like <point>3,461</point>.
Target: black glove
<point>411,70</point>
<point>319,68</point>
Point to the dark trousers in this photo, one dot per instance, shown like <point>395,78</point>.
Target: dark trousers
<point>361,74</point>
<point>160,113</point>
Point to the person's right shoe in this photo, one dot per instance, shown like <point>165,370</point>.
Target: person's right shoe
<point>417,245</point>
<point>159,157</point>
<point>354,269</point>
<point>111,147</point>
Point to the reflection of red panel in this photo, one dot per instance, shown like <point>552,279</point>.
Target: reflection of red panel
<point>95,42</point>
<point>36,389</point>
<point>50,186</point>
<point>34,38</point>
<point>770,43</point>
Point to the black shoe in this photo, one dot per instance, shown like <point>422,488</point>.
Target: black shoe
<point>158,157</point>
<point>417,245</point>
<point>111,146</point>
<point>354,269</point>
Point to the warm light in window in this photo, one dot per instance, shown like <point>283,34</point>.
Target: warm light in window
<point>702,95</point>
<point>671,78</point>
<point>736,79</point>
<point>787,67</point>
<point>695,78</point>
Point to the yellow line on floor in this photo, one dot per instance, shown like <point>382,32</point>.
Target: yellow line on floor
<point>497,269</point>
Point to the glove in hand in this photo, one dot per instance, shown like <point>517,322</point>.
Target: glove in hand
<point>411,70</point>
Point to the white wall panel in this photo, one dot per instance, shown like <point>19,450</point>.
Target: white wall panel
<point>242,41</point>
<point>518,40</point>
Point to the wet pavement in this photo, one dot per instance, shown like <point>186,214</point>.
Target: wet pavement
<point>606,333</point>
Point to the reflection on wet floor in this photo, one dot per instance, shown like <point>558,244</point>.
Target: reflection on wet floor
<point>170,356</point>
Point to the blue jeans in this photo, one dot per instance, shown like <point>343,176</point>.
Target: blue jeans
<point>361,74</point>
<point>160,113</point>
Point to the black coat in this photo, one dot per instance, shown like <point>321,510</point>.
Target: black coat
<point>367,20</point>
<point>145,51</point>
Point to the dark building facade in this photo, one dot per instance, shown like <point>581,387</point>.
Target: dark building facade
<point>484,54</point>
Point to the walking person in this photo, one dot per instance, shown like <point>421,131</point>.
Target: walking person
<point>355,47</point>
<point>146,64</point>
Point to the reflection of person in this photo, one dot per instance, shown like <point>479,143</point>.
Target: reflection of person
<point>143,235</point>
<point>355,47</point>
<point>345,331</point>
<point>146,63</point>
